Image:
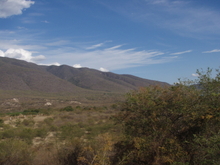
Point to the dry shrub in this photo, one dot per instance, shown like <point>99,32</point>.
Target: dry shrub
<point>78,152</point>
<point>75,152</point>
<point>104,149</point>
<point>174,125</point>
<point>46,154</point>
<point>14,151</point>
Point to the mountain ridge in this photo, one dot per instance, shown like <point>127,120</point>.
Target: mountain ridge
<point>25,76</point>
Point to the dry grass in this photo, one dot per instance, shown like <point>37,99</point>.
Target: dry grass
<point>85,133</point>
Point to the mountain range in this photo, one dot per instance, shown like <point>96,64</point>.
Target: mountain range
<point>23,78</point>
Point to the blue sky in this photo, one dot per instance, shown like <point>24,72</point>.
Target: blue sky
<point>155,39</point>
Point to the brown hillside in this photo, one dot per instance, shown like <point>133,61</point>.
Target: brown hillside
<point>101,81</point>
<point>18,75</point>
<point>21,75</point>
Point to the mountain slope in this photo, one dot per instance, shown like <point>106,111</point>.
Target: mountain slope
<point>101,81</point>
<point>21,75</point>
<point>17,75</point>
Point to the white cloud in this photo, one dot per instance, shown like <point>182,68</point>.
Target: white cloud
<point>2,54</point>
<point>77,66</point>
<point>115,47</point>
<point>212,51</point>
<point>21,54</point>
<point>112,57</point>
<point>13,7</point>
<point>95,46</point>
<point>55,63</point>
<point>178,53</point>
<point>37,58</point>
<point>195,75</point>
<point>103,70</point>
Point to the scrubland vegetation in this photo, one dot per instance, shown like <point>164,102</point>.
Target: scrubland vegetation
<point>174,125</point>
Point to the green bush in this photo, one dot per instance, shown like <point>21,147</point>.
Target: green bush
<point>31,112</point>
<point>114,106</point>
<point>49,121</point>
<point>173,125</point>
<point>1,121</point>
<point>14,114</point>
<point>69,131</point>
<point>41,132</point>
<point>8,133</point>
<point>26,134</point>
<point>78,107</point>
<point>68,108</point>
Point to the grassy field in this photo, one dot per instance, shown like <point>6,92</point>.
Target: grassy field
<point>58,136</point>
<point>14,101</point>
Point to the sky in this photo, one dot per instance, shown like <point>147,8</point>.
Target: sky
<point>160,40</point>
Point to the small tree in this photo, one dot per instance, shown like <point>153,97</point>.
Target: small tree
<point>173,125</point>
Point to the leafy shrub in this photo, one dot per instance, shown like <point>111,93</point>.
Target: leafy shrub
<point>1,121</point>
<point>69,131</point>
<point>174,125</point>
<point>49,121</point>
<point>31,112</point>
<point>78,107</point>
<point>68,108</point>
<point>26,134</point>
<point>14,114</point>
<point>114,106</point>
<point>8,133</point>
<point>41,132</point>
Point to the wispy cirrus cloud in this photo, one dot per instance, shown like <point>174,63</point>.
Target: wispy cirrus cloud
<point>180,16</point>
<point>212,51</point>
<point>13,7</point>
<point>95,46</point>
<point>17,44</point>
<point>103,56</point>
<point>21,38</point>
<point>178,53</point>
<point>109,58</point>
<point>45,21</point>
<point>57,43</point>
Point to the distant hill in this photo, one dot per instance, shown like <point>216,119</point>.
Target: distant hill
<point>18,75</point>
<point>100,81</point>
<point>21,75</point>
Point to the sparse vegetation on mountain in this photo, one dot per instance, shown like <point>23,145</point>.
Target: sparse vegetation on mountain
<point>23,79</point>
